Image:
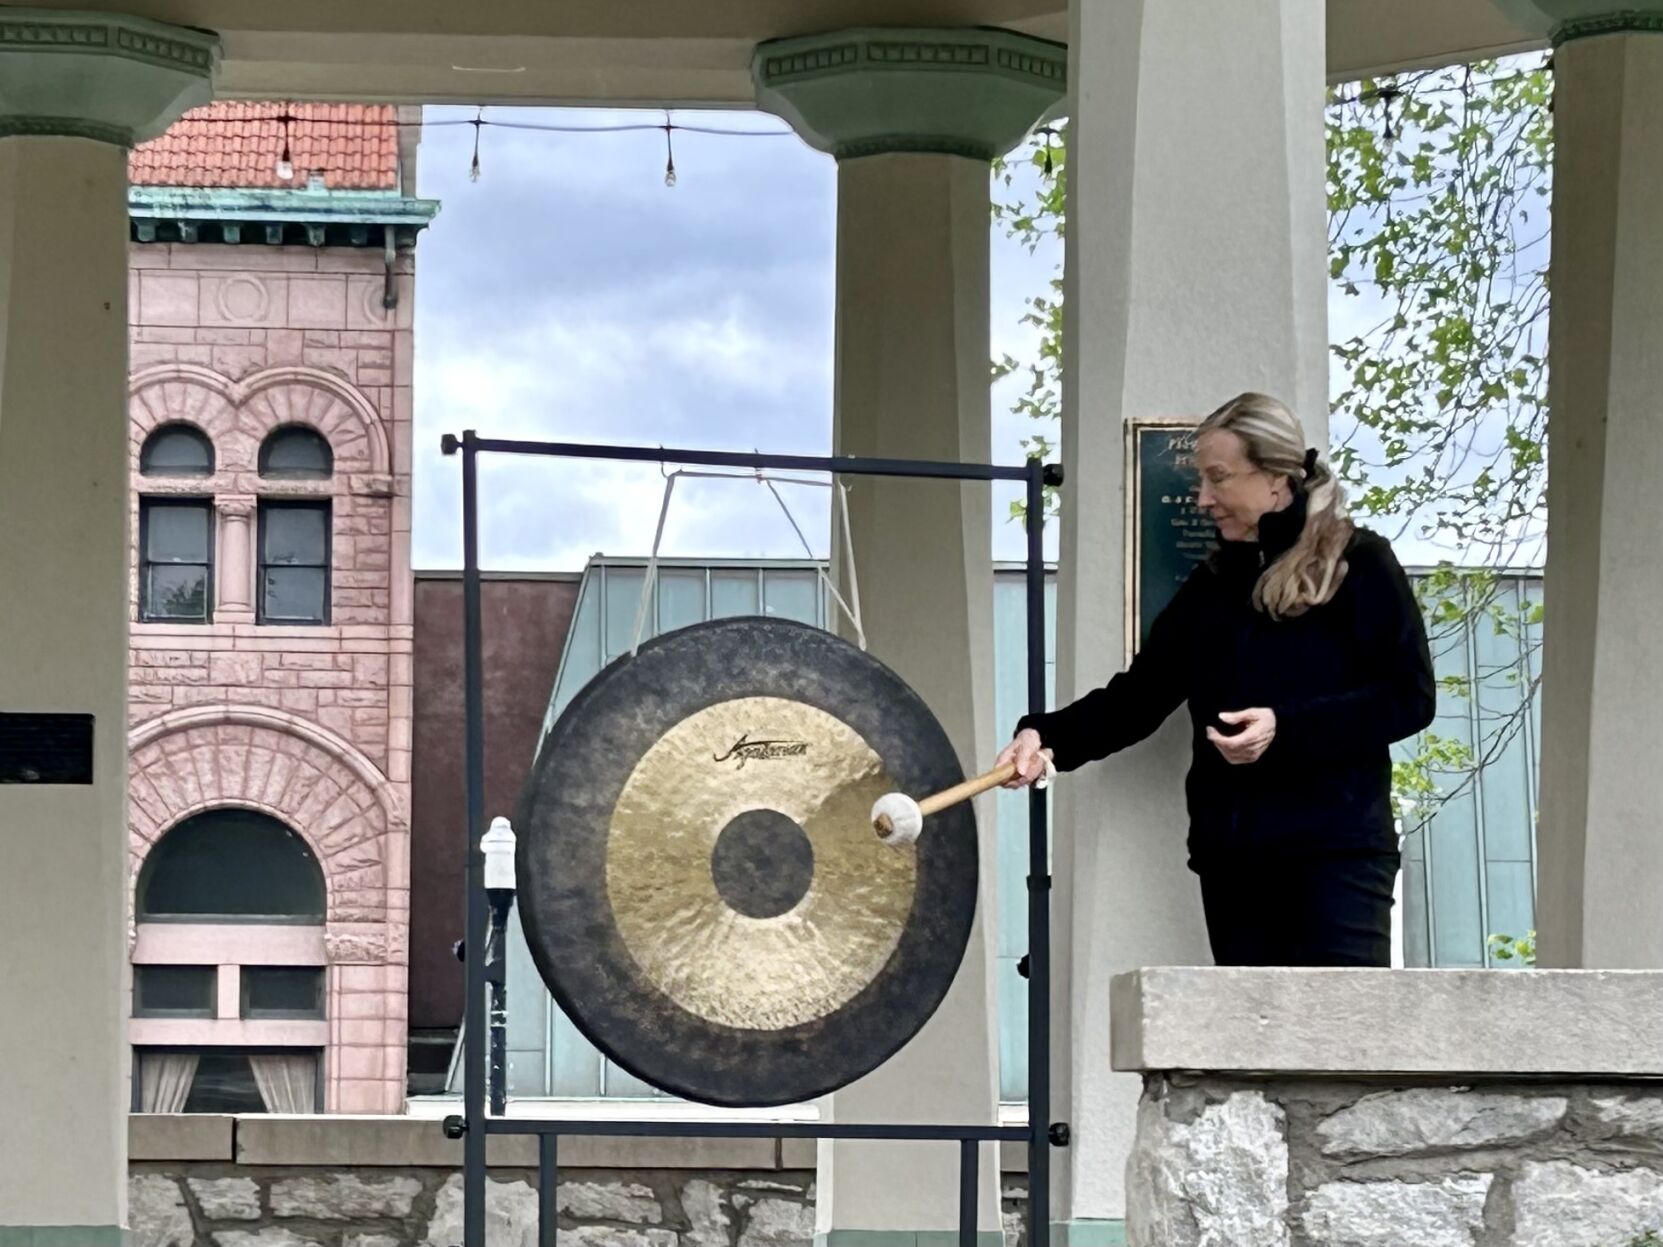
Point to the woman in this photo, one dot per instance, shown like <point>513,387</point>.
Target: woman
<point>1302,655</point>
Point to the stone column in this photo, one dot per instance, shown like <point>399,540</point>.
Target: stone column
<point>914,118</point>
<point>1195,270</point>
<point>1600,860</point>
<point>76,89</point>
<point>235,558</point>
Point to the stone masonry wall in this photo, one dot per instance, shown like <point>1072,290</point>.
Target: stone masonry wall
<point>207,1205</point>
<point>1324,1163</point>
<point>310,724</point>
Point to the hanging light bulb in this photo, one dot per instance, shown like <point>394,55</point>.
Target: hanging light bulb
<point>669,151</point>
<point>285,162</point>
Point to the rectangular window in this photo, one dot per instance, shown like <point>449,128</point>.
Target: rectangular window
<point>226,1080</point>
<point>176,560</point>
<point>294,563</point>
<point>282,992</point>
<point>174,991</point>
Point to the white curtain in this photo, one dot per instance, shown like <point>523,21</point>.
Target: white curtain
<point>166,1081</point>
<point>288,1083</point>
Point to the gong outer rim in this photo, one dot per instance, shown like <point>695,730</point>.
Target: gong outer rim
<point>563,820</point>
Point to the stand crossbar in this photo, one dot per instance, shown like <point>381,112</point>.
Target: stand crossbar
<point>483,986</point>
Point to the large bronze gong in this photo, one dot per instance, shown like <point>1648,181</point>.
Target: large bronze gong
<point>699,882</point>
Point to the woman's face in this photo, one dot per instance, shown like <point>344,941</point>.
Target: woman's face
<point>1231,490</point>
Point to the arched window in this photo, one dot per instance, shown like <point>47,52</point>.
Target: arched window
<point>231,865</point>
<point>296,453</point>
<point>177,450</point>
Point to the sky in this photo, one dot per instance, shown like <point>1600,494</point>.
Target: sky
<point>568,293</point>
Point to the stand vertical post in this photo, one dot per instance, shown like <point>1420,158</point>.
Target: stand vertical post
<point>1039,892</point>
<point>474,1020</point>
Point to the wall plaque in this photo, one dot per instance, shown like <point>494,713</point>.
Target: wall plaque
<point>1166,533</point>
<point>45,748</point>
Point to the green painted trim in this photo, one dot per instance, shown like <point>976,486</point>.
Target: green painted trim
<point>130,38</point>
<point>105,76</point>
<point>321,207</point>
<point>12,126</point>
<point>969,91</point>
<point>1626,22</point>
<point>1104,1233</point>
<point>905,1238</point>
<point>62,1236</point>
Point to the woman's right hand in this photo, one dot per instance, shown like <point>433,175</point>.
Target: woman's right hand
<point>1028,754</point>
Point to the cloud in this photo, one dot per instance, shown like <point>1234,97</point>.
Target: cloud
<point>569,294</point>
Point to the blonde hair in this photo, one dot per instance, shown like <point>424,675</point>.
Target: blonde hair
<point>1311,571</point>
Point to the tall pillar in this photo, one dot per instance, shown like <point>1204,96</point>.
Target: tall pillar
<point>76,89</point>
<point>1600,860</point>
<point>914,118</point>
<point>1195,269</point>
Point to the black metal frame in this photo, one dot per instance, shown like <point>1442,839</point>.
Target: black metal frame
<point>483,955</point>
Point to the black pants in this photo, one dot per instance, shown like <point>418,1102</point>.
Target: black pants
<point>1323,912</point>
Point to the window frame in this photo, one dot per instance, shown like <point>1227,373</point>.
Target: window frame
<point>263,456</point>
<point>182,426</point>
<point>210,1011</point>
<point>147,871</point>
<point>318,1013</point>
<point>311,502</point>
<point>140,1051</point>
<point>147,502</point>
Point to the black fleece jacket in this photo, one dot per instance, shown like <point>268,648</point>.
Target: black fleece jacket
<point>1346,680</point>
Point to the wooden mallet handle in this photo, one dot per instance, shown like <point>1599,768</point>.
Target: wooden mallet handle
<point>969,788</point>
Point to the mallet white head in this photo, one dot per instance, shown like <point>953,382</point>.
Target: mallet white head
<point>897,819</point>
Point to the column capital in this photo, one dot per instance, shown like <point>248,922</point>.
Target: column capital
<point>103,76</point>
<point>235,506</point>
<point>1565,20</point>
<point>971,91</point>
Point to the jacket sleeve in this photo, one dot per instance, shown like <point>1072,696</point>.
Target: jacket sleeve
<point>1397,695</point>
<point>1132,705</point>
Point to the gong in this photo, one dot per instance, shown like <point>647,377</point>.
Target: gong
<point>699,882</point>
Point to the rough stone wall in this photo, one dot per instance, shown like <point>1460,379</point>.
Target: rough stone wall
<point>1324,1163</point>
<point>216,1205</point>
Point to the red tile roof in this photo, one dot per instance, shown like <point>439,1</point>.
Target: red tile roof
<point>235,144</point>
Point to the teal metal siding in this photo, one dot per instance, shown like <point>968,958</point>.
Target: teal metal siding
<point>1469,873</point>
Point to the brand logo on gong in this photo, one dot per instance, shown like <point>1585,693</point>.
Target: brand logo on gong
<point>747,750</point>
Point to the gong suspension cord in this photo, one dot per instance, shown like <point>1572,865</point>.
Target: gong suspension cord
<point>852,612</point>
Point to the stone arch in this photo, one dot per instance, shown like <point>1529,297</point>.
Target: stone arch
<point>257,758</point>
<point>294,395</point>
<point>237,415</point>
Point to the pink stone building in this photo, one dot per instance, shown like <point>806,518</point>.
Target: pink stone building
<point>270,706</point>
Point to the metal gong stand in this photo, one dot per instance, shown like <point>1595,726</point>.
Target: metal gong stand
<point>483,981</point>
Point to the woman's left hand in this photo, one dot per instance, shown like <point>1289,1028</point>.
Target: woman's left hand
<point>1247,745</point>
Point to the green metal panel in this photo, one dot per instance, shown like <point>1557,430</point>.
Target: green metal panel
<point>1469,872</point>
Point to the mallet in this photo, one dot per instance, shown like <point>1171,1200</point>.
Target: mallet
<point>898,819</point>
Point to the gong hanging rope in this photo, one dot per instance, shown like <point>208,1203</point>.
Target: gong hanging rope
<point>850,612</point>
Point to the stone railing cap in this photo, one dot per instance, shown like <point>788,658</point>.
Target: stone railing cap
<point>1468,1023</point>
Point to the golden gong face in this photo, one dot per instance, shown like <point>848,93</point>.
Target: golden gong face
<point>742,870</point>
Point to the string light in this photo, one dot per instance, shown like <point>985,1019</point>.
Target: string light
<point>285,168</point>
<point>285,162</point>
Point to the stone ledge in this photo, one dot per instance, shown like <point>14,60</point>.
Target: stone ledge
<point>183,1136</point>
<point>1462,1023</point>
<point>376,1142</point>
<point>369,1142</point>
